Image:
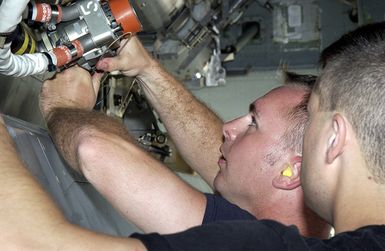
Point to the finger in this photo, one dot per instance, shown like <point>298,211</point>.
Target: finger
<point>66,72</point>
<point>57,77</point>
<point>96,79</point>
<point>78,69</point>
<point>111,64</point>
<point>123,44</point>
<point>74,72</point>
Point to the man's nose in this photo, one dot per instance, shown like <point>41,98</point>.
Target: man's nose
<point>232,128</point>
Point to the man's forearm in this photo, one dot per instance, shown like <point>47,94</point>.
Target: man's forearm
<point>140,187</point>
<point>195,129</point>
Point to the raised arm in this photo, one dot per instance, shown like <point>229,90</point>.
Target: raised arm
<point>30,220</point>
<point>141,188</point>
<point>195,129</point>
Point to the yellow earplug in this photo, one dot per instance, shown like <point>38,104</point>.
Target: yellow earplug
<point>288,172</point>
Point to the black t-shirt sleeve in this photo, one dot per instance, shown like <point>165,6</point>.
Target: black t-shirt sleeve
<point>234,235</point>
<point>219,209</point>
<point>261,235</point>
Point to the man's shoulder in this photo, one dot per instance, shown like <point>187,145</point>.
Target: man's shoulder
<point>262,235</point>
<point>220,209</point>
<point>365,238</point>
<point>229,235</point>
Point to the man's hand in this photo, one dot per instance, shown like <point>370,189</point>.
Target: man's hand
<point>72,88</point>
<point>132,59</point>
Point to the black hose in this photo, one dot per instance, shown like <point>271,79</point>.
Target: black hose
<point>60,2</point>
<point>87,43</point>
<point>70,13</point>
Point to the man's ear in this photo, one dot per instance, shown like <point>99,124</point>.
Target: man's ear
<point>289,176</point>
<point>337,139</point>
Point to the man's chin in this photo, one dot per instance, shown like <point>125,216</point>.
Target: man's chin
<point>218,181</point>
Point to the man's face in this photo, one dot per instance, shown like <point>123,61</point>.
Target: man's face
<point>251,148</point>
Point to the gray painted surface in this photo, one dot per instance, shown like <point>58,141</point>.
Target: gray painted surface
<point>19,98</point>
<point>232,100</point>
<point>262,53</point>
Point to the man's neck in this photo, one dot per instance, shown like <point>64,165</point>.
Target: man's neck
<point>291,210</point>
<point>358,206</point>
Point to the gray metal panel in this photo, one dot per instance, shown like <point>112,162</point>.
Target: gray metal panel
<point>19,98</point>
<point>263,53</point>
<point>78,200</point>
<point>334,21</point>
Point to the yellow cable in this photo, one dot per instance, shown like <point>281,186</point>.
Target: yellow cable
<point>25,44</point>
<point>33,46</point>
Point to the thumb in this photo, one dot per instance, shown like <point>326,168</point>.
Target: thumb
<point>111,64</point>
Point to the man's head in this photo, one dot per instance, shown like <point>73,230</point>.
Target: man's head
<point>262,150</point>
<point>347,115</point>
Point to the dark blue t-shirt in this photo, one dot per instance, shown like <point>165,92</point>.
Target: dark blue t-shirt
<point>219,209</point>
<point>261,235</point>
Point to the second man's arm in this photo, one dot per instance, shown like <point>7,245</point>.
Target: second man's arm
<point>140,187</point>
<point>195,129</point>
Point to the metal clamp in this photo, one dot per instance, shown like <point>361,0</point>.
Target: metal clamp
<point>3,40</point>
<point>6,38</point>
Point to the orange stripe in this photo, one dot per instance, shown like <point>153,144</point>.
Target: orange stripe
<point>125,16</point>
<point>44,12</point>
<point>63,55</point>
<point>79,48</point>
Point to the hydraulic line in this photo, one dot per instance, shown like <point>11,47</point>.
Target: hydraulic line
<point>54,13</point>
<point>11,12</point>
<point>22,41</point>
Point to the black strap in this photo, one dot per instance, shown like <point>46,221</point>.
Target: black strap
<point>51,66</point>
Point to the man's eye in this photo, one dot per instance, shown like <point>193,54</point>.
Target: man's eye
<point>253,122</point>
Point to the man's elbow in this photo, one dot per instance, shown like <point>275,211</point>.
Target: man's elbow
<point>90,151</point>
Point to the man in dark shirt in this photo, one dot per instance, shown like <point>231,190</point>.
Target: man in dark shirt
<point>268,137</point>
<point>258,169</point>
